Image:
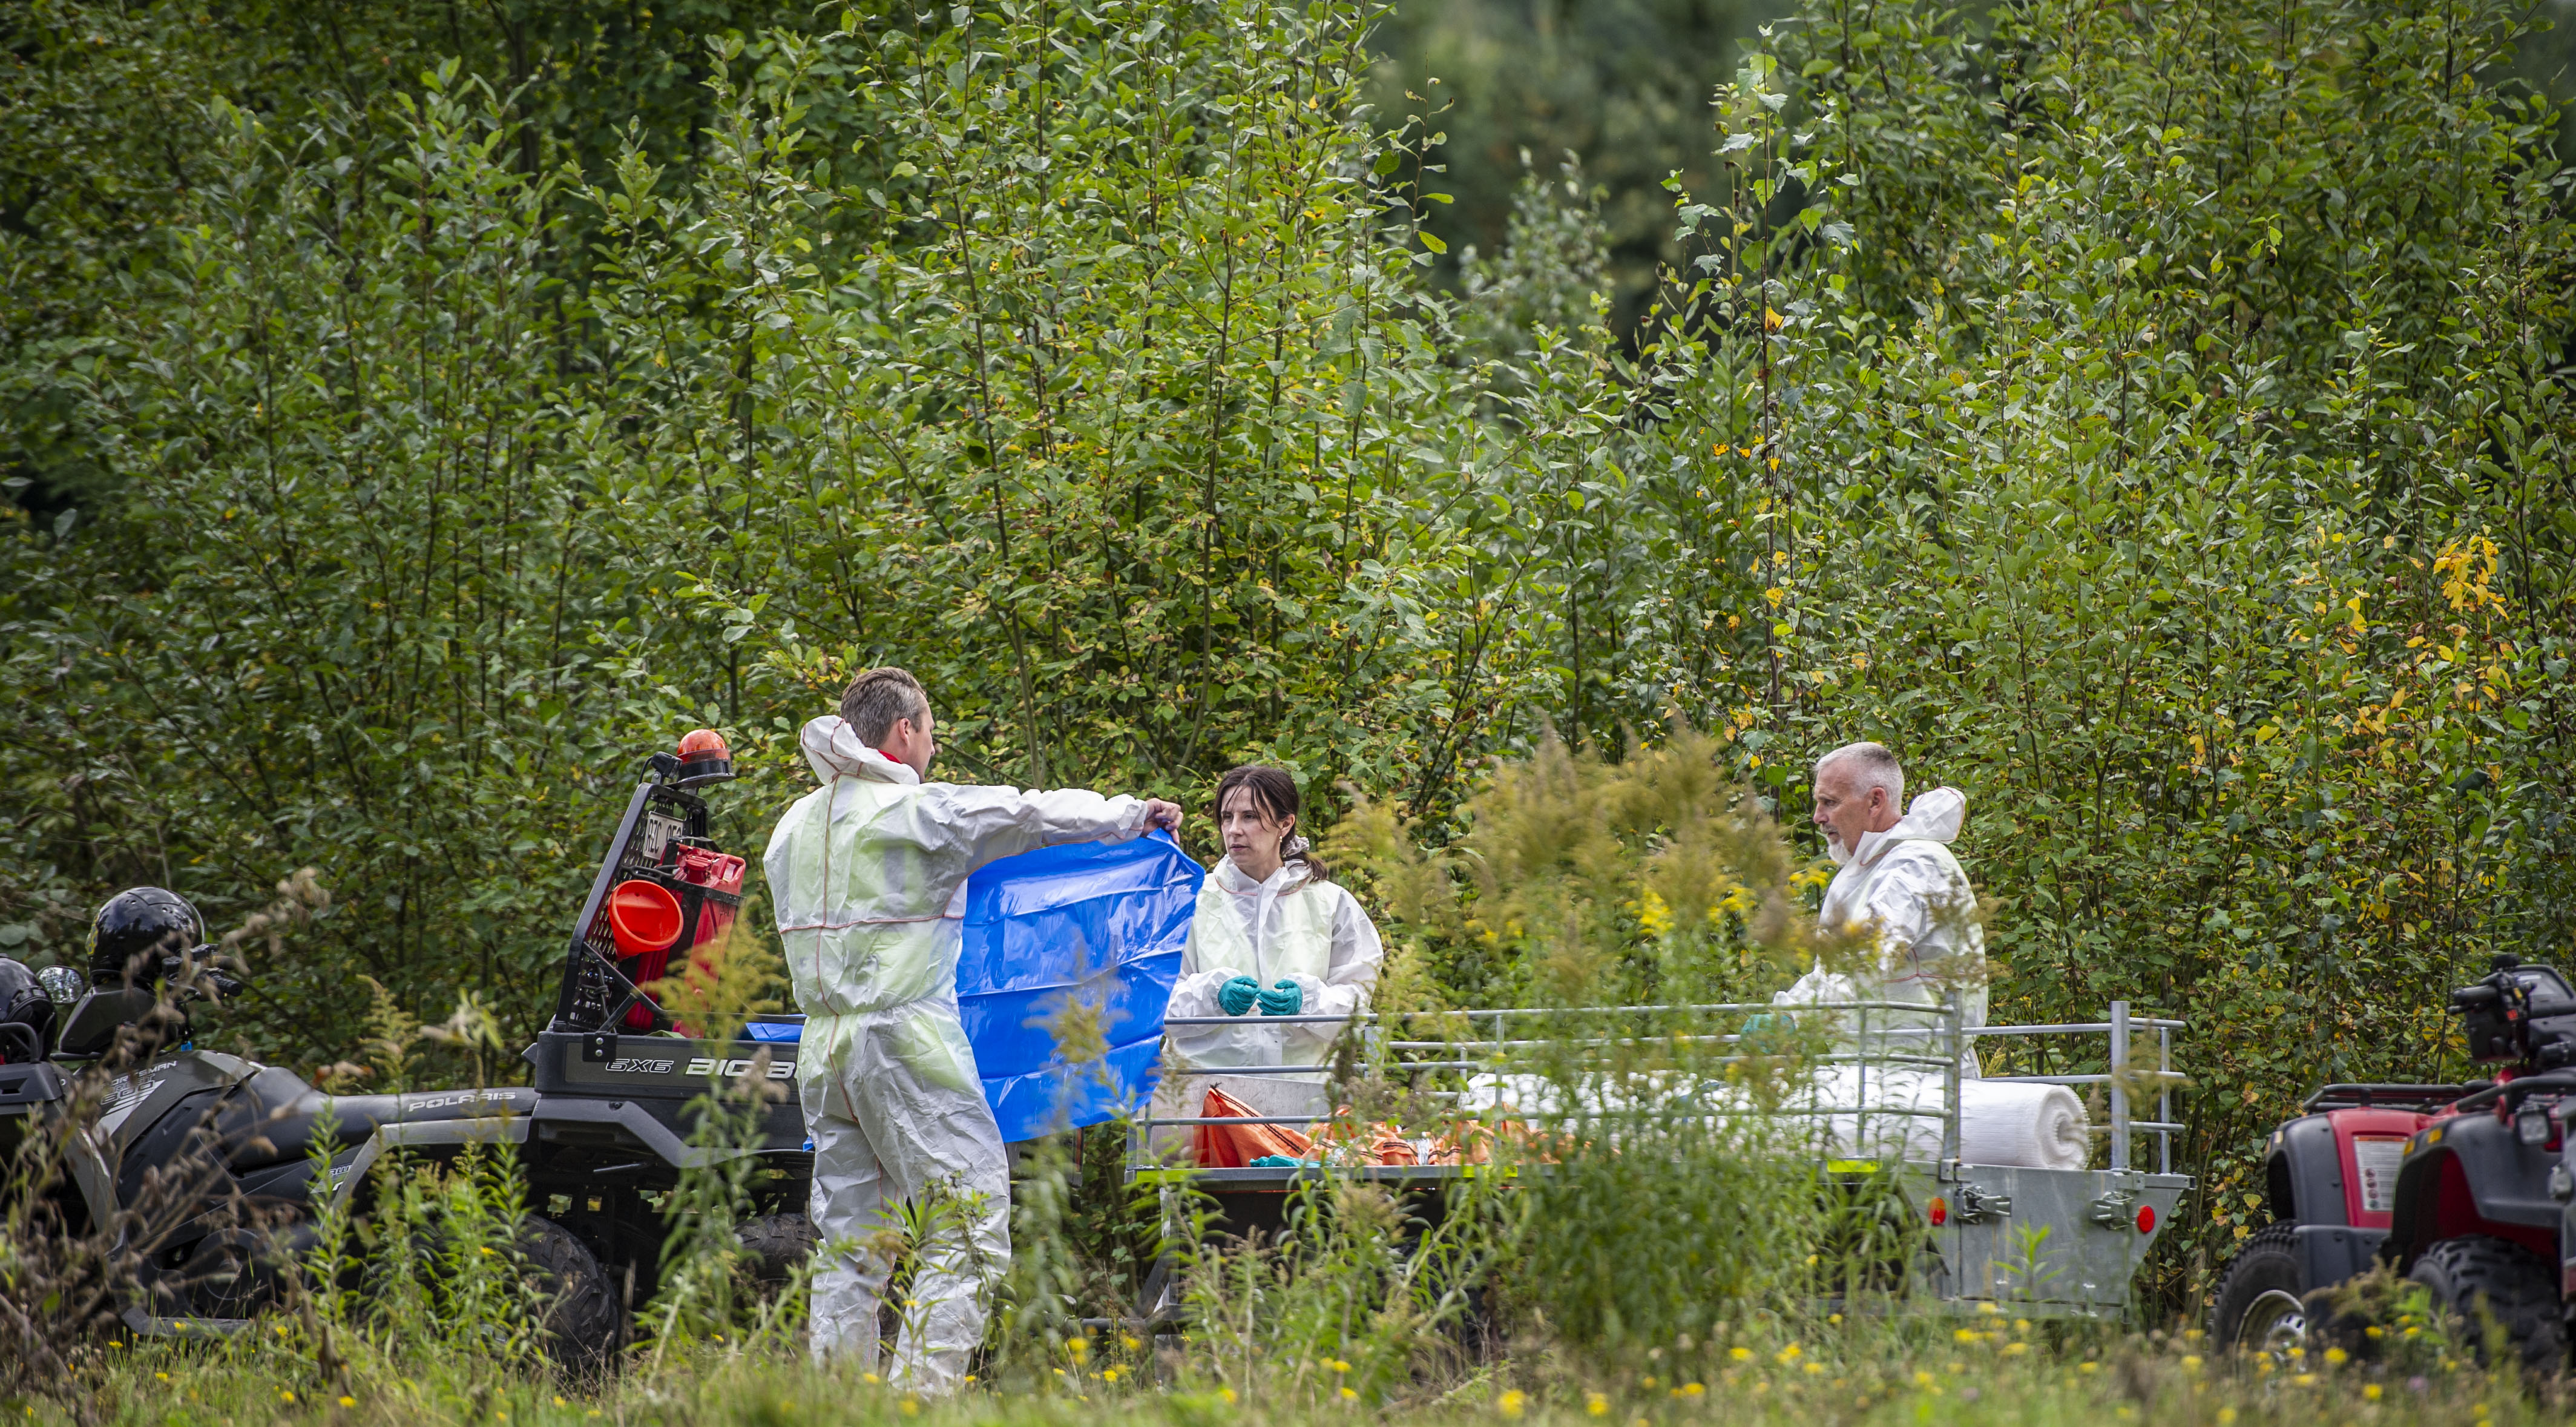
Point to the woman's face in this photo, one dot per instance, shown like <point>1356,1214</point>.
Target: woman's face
<point>1252,836</point>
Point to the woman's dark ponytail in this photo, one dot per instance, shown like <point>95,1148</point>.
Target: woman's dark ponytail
<point>1274,793</point>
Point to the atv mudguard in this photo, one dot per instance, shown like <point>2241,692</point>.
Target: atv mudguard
<point>148,1119</point>
<point>635,1095</point>
<point>2304,1182</point>
<point>2471,1174</point>
<point>31,1096</point>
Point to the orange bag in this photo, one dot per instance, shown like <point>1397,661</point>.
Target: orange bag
<point>1349,1142</point>
<point>1392,1148</point>
<point>1237,1146</point>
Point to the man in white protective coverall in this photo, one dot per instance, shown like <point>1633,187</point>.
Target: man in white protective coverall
<point>1898,887</point>
<point>868,877</point>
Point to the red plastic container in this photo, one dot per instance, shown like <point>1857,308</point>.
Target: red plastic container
<point>717,872</point>
<point>643,918</point>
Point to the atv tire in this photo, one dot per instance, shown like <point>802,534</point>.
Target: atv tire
<point>2262,1300</point>
<point>776,1245</point>
<point>584,1327</point>
<point>2474,1276</point>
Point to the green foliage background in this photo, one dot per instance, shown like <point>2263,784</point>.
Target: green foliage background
<point>2148,418</point>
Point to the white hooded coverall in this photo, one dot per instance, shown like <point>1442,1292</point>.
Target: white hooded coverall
<point>868,877</point>
<point>1291,927</point>
<point>1904,888</point>
<point>1288,928</point>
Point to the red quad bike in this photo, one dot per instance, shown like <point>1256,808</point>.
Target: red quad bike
<point>2465,1189</point>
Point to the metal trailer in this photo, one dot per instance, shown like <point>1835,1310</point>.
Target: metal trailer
<point>2044,1243</point>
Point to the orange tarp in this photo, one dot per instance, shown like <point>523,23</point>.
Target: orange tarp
<point>1237,1146</point>
<point>1381,1143</point>
<point>1346,1141</point>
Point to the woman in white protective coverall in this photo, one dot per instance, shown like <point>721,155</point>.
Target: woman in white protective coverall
<point>1273,936</point>
<point>1899,887</point>
<point>868,877</point>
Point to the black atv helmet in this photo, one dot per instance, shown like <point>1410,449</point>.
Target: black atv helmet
<point>136,930</point>
<point>23,1003</point>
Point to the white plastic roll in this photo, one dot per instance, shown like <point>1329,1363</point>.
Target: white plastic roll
<point>2001,1122</point>
<point>2015,1123</point>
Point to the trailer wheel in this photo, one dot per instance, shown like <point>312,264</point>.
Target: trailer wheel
<point>2475,1275</point>
<point>584,1325</point>
<point>2261,1304</point>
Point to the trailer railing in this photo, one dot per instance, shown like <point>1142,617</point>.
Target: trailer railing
<point>1513,1036</point>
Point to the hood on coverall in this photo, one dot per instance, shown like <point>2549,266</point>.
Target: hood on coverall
<point>1935,816</point>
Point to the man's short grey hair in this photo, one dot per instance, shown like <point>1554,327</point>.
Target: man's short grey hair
<point>1872,766</point>
<point>877,698</point>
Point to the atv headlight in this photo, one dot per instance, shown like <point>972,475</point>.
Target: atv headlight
<point>2531,1125</point>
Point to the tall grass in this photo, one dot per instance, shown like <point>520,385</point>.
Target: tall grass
<point>1861,1372</point>
<point>1644,1236</point>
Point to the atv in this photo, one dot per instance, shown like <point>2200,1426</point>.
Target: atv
<point>203,1174</point>
<point>612,1120</point>
<point>2462,1188</point>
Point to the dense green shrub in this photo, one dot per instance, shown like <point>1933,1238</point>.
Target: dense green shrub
<point>2150,420</point>
<point>1107,406</point>
<point>2146,417</point>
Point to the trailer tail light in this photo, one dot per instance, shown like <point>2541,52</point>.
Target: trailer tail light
<point>2146,1218</point>
<point>1938,1211</point>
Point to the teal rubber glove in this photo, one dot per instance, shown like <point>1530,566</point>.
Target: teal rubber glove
<point>1279,1161</point>
<point>1767,1033</point>
<point>1236,997</point>
<point>1286,998</point>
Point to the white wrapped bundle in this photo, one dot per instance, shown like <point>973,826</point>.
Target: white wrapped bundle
<point>2001,1122</point>
<point>2018,1123</point>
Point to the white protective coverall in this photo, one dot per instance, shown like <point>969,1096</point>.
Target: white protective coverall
<point>868,877</point>
<point>1291,927</point>
<point>1904,886</point>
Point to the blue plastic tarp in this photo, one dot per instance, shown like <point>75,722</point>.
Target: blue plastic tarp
<point>1093,925</point>
<point>1096,925</point>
